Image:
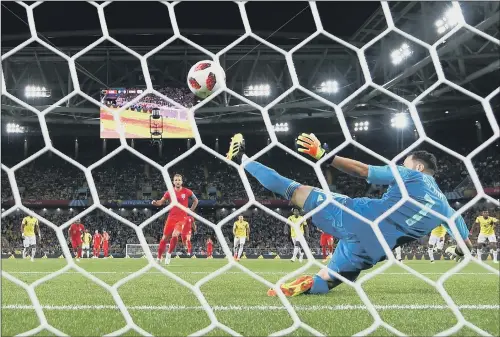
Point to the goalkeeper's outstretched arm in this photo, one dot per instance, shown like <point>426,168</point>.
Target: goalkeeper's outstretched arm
<point>352,167</point>
<point>309,144</point>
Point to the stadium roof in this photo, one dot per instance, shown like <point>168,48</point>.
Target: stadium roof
<point>467,58</point>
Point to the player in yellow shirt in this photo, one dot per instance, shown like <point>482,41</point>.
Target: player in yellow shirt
<point>241,232</point>
<point>29,226</point>
<point>436,241</point>
<point>487,224</point>
<point>86,239</point>
<point>298,219</point>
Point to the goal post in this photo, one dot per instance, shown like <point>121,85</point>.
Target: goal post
<point>136,249</point>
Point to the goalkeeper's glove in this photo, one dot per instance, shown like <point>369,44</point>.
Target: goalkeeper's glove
<point>309,144</point>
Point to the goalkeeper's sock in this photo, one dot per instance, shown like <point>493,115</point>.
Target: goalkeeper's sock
<point>161,248</point>
<point>271,179</point>
<point>319,286</point>
<point>189,246</point>
<point>295,252</point>
<point>24,253</point>
<point>33,251</point>
<point>431,254</point>
<point>324,252</point>
<point>173,243</point>
<point>88,253</point>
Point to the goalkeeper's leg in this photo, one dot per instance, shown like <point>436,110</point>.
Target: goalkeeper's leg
<point>347,261</point>
<point>269,178</point>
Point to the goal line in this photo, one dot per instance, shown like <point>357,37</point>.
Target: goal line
<point>342,307</point>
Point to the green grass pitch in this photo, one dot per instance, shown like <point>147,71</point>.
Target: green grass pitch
<point>79,307</point>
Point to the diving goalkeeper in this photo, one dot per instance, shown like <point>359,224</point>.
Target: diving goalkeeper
<point>358,247</point>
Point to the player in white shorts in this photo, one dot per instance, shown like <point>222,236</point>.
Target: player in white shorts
<point>29,226</point>
<point>487,232</point>
<point>86,239</point>
<point>436,241</point>
<point>398,253</point>
<point>298,219</point>
<point>241,232</point>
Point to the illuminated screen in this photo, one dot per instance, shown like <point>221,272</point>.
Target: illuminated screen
<point>137,119</point>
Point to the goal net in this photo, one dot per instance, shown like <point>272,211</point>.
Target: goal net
<point>135,250</point>
<point>147,250</point>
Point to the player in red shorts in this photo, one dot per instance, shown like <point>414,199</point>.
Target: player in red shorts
<point>176,217</point>
<point>105,243</point>
<point>188,229</point>
<point>326,242</point>
<point>75,234</point>
<point>97,244</point>
<point>209,248</point>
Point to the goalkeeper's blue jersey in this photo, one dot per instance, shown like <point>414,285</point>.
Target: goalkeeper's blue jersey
<point>406,223</point>
<point>412,219</point>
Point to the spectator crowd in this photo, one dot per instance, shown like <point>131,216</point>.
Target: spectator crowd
<point>182,96</point>
<point>125,177</point>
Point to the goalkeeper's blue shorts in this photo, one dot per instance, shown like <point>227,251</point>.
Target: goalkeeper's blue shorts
<point>358,248</point>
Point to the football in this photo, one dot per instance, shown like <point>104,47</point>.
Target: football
<point>205,77</point>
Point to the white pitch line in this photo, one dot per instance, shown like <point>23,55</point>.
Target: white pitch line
<point>342,307</point>
<point>209,272</point>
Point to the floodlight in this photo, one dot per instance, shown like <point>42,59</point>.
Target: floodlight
<point>36,91</point>
<point>281,127</point>
<point>400,121</point>
<point>401,54</point>
<point>328,87</point>
<point>258,90</point>
<point>14,128</point>
<point>449,20</point>
<point>361,126</point>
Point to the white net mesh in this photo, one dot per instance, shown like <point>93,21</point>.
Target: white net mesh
<point>136,250</point>
<point>297,323</point>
